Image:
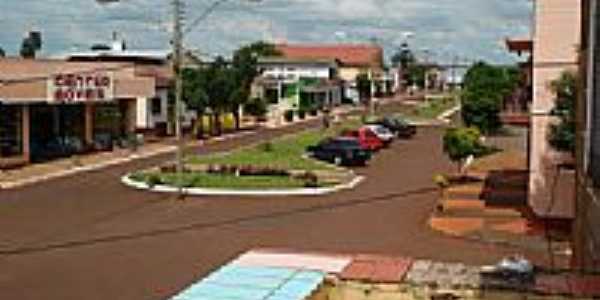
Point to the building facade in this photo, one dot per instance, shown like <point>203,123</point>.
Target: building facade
<point>55,108</point>
<point>354,59</point>
<point>587,222</point>
<point>556,40</point>
<point>297,85</point>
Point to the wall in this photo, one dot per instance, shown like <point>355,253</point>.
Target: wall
<point>350,73</point>
<point>295,71</point>
<point>556,40</point>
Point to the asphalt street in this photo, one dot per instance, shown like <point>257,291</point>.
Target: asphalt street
<point>89,237</point>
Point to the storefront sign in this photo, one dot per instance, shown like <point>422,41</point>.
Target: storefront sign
<point>80,87</point>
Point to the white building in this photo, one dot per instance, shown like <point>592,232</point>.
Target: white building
<point>298,85</point>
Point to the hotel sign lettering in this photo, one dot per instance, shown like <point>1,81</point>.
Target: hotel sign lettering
<point>80,87</point>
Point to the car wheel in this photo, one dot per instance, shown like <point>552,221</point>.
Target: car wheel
<point>337,160</point>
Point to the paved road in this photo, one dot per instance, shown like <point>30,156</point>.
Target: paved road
<point>88,237</point>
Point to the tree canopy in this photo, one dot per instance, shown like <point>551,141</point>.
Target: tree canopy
<point>485,87</point>
<point>404,57</point>
<point>225,87</point>
<point>28,48</point>
<point>460,143</point>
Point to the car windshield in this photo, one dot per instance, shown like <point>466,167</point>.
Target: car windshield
<point>381,130</point>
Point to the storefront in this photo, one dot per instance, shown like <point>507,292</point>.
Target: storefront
<point>51,109</point>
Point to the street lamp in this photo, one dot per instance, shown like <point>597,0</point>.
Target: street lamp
<point>177,44</point>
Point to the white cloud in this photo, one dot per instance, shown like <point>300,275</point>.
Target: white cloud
<point>471,27</point>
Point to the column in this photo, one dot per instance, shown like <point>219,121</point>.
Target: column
<point>89,124</point>
<point>26,133</point>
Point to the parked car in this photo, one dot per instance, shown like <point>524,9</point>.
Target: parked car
<point>382,133</point>
<point>399,126</point>
<point>367,138</point>
<point>340,151</point>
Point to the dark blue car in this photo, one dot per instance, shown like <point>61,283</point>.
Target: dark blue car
<point>340,151</point>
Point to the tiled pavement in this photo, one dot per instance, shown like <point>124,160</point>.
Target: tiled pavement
<point>431,276</point>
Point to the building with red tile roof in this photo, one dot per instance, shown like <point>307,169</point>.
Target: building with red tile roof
<point>350,55</point>
<point>355,59</point>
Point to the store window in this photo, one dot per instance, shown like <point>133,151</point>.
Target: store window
<point>10,131</point>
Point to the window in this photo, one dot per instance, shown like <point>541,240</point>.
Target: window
<point>156,106</point>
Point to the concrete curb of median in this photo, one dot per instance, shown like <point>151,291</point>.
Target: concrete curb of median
<point>245,193</point>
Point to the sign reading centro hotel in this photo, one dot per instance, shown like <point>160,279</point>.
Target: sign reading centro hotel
<point>83,87</point>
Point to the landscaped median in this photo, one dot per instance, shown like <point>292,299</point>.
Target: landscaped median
<point>277,167</point>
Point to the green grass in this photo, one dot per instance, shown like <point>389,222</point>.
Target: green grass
<point>432,109</point>
<point>204,180</point>
<point>283,153</point>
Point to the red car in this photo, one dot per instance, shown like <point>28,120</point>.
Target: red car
<point>367,138</point>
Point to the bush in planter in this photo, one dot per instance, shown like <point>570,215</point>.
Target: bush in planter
<point>311,180</point>
<point>302,114</point>
<point>153,180</point>
<point>460,143</point>
<point>289,116</point>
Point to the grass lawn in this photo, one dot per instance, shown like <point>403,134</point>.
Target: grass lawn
<point>283,153</point>
<point>432,108</point>
<point>286,153</point>
<point>222,181</point>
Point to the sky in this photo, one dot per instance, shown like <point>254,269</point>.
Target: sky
<point>470,29</point>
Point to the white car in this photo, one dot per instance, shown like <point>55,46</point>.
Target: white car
<point>384,134</point>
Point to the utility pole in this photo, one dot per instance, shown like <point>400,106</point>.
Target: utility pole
<point>177,46</point>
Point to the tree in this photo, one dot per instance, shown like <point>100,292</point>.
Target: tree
<point>244,66</point>
<point>404,57</point>
<point>363,85</point>
<point>414,74</point>
<point>195,96</point>
<point>28,48</point>
<point>223,87</point>
<point>256,107</point>
<point>460,143</point>
<point>2,53</point>
<point>220,85</point>
<point>562,134</point>
<point>485,88</point>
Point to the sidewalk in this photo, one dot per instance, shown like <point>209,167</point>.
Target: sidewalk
<point>272,273</point>
<point>493,208</point>
<point>39,172</point>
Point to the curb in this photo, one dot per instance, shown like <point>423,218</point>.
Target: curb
<point>246,193</point>
<point>444,117</point>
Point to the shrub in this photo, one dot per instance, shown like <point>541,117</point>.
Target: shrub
<point>302,114</point>
<point>311,180</point>
<point>289,116</point>
<point>153,180</point>
<point>460,143</point>
<point>256,107</point>
<point>266,147</point>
